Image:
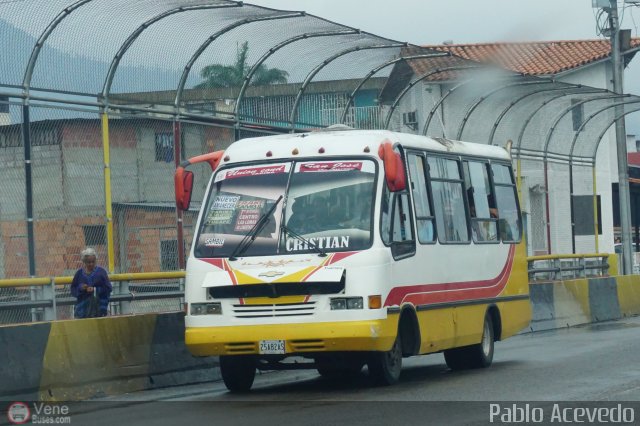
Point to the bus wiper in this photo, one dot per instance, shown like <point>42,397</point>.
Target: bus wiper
<point>248,239</point>
<point>311,244</point>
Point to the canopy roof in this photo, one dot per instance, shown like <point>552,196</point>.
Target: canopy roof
<point>152,56</point>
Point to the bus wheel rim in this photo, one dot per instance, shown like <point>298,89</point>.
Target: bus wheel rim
<point>394,356</point>
<point>486,339</point>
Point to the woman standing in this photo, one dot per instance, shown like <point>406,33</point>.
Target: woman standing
<point>91,287</point>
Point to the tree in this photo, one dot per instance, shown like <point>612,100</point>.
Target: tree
<point>217,75</point>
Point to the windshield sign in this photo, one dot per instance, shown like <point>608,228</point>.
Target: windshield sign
<point>328,207</point>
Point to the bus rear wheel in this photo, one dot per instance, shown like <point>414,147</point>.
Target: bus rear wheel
<point>474,356</point>
<point>385,367</point>
<point>238,372</point>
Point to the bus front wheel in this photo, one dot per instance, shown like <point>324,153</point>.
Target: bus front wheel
<point>385,367</point>
<point>238,372</point>
<point>474,356</point>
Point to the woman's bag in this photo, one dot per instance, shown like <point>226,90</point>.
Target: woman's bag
<point>93,306</point>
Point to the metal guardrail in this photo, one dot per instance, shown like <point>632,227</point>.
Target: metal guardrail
<point>41,299</point>
<point>571,266</point>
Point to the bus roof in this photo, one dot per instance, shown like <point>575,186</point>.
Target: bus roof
<point>349,142</point>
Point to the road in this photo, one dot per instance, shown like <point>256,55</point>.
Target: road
<point>598,362</point>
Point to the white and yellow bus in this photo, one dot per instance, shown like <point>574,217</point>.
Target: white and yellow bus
<point>347,247</point>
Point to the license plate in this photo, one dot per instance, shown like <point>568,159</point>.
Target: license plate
<point>271,347</point>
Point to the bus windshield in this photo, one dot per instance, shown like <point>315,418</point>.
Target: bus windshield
<point>328,206</point>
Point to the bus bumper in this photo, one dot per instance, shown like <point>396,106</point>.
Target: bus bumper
<point>371,335</point>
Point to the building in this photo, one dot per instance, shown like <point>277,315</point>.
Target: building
<point>69,212</point>
<point>68,172</point>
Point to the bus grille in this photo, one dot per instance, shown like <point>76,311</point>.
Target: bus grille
<point>241,348</point>
<point>269,311</point>
<point>307,345</point>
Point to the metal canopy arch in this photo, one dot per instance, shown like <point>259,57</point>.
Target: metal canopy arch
<point>561,157</point>
<point>404,91</point>
<point>319,67</point>
<point>35,53</point>
<point>90,59</point>
<point>121,49</point>
<point>591,117</point>
<point>277,47</point>
<point>491,92</point>
<point>380,67</point>
<point>198,52</point>
<point>567,110</point>
<point>609,124</point>
<point>141,23</point>
<point>515,102</point>
<point>448,93</point>
<point>136,33</point>
<point>527,121</point>
<point>572,163</point>
<point>144,22</point>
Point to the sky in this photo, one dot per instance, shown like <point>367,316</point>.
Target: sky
<point>472,21</point>
<point>463,21</point>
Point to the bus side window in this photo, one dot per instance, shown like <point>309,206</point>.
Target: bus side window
<point>448,201</point>
<point>424,215</point>
<point>481,199</point>
<point>385,212</point>
<point>396,228</point>
<point>402,240</point>
<point>509,225</point>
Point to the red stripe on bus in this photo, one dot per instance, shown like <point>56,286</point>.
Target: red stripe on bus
<point>446,292</point>
<point>327,261</point>
<point>337,257</point>
<point>215,262</point>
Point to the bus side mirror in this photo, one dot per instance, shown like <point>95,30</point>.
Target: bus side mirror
<point>394,174</point>
<point>183,180</point>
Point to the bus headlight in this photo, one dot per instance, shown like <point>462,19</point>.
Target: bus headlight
<point>354,303</point>
<point>346,303</point>
<point>206,309</point>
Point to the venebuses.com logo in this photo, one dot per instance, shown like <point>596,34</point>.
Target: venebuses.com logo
<point>18,413</point>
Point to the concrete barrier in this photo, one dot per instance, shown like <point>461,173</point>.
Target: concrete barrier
<point>603,299</point>
<point>543,314</point>
<point>628,290</point>
<point>83,359</point>
<point>573,302</point>
<point>21,370</point>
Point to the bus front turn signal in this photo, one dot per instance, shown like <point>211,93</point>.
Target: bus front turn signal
<point>375,302</point>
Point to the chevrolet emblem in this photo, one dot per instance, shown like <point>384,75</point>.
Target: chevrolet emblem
<point>271,274</point>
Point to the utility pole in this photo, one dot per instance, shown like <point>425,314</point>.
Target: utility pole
<point>617,66</point>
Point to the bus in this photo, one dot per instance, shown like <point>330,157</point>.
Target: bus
<point>337,249</point>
